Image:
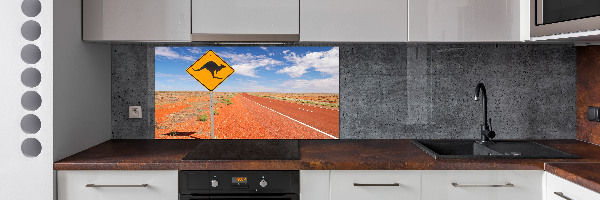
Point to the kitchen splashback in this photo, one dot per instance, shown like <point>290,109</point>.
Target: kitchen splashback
<point>407,90</point>
<point>255,92</point>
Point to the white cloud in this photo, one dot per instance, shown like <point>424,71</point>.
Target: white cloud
<point>168,53</point>
<point>328,85</point>
<point>252,86</point>
<point>163,88</point>
<point>246,70</point>
<point>286,51</point>
<point>326,62</point>
<point>247,64</point>
<point>196,51</point>
<point>294,71</point>
<point>264,48</point>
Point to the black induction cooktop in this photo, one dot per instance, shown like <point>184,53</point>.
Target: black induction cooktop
<point>245,150</point>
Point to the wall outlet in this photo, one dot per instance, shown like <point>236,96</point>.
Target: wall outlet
<point>135,112</point>
<point>593,114</point>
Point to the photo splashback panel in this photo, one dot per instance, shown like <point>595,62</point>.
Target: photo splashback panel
<point>258,92</point>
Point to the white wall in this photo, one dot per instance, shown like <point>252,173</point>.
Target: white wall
<point>82,84</point>
<point>74,88</point>
<point>24,177</point>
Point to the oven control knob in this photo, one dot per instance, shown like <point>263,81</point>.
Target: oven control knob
<point>263,183</point>
<point>214,183</point>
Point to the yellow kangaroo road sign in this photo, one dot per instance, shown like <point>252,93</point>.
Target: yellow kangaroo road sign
<point>210,70</point>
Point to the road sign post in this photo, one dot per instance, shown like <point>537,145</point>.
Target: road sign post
<point>212,117</point>
<point>210,71</point>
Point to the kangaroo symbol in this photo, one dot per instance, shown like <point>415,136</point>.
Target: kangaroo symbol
<point>212,67</point>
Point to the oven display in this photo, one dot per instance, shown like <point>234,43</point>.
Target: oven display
<point>239,180</point>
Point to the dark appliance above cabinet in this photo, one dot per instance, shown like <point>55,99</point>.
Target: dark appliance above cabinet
<point>562,17</point>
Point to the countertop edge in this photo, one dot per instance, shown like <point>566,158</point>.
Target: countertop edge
<point>578,179</point>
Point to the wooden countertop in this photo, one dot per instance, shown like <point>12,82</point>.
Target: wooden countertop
<point>332,155</point>
<point>314,155</point>
<point>581,173</point>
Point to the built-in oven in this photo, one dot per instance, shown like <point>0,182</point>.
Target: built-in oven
<point>235,185</point>
<point>553,17</point>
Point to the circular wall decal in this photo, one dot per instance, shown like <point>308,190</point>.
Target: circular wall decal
<point>31,100</point>
<point>31,77</point>
<point>31,54</point>
<point>30,124</point>
<point>31,8</point>
<point>31,147</point>
<point>31,30</point>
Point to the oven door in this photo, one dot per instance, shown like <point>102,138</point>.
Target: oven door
<point>237,197</point>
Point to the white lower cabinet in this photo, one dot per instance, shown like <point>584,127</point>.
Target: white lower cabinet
<point>117,185</point>
<point>375,185</point>
<point>340,185</point>
<point>482,184</point>
<point>314,184</point>
<point>561,189</point>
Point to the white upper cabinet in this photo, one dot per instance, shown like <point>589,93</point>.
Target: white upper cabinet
<point>354,20</point>
<point>468,20</point>
<point>136,20</point>
<point>307,20</point>
<point>244,20</point>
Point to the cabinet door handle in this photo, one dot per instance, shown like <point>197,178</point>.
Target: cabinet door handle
<point>505,185</point>
<point>368,184</point>
<point>94,185</point>
<point>560,194</point>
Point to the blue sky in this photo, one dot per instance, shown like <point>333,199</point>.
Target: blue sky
<point>257,69</point>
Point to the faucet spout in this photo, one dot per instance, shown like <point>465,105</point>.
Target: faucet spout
<point>481,88</point>
<point>486,133</point>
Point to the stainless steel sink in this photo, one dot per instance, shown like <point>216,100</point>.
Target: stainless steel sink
<point>492,149</point>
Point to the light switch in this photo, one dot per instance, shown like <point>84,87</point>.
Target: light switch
<point>135,112</point>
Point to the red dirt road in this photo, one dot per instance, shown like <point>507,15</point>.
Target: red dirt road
<point>323,119</point>
<point>244,119</point>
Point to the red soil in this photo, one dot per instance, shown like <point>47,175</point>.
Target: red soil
<point>177,117</point>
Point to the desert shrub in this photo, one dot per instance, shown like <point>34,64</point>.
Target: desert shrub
<point>226,101</point>
<point>203,117</point>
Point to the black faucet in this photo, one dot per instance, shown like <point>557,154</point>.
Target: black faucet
<point>486,129</point>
